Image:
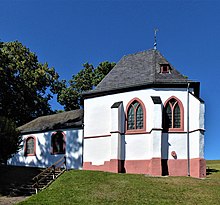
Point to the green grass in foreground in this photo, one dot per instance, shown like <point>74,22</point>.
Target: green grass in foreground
<point>89,187</point>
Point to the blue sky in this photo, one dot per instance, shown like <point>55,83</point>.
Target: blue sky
<point>67,34</point>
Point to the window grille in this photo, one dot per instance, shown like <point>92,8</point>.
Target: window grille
<point>172,115</point>
<point>135,116</point>
<point>30,146</point>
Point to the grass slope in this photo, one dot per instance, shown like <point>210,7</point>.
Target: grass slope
<point>89,187</point>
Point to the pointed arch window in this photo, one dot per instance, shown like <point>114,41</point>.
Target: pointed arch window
<point>30,146</point>
<point>135,116</point>
<point>173,115</point>
<point>58,143</point>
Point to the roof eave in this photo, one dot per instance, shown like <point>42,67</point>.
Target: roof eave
<point>95,93</point>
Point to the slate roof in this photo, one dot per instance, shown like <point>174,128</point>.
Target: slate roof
<point>69,119</point>
<point>139,69</point>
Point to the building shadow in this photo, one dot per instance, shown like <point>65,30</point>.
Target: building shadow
<point>123,154</point>
<point>210,171</point>
<point>12,178</point>
<point>164,154</point>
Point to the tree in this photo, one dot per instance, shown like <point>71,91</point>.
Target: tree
<point>10,139</point>
<point>101,71</point>
<point>70,96</point>
<point>26,84</point>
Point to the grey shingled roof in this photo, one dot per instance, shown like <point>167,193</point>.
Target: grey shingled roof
<point>69,119</point>
<point>139,69</point>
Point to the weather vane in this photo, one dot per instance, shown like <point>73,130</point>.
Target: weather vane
<point>155,38</point>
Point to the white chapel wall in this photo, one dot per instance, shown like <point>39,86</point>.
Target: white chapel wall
<point>44,158</point>
<point>97,119</point>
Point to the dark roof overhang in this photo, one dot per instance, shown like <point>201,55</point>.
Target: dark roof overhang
<point>194,85</point>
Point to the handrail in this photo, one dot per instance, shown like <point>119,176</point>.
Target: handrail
<point>60,160</point>
<point>40,177</point>
<point>43,172</point>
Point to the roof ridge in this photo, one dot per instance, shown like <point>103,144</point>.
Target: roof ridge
<point>138,52</point>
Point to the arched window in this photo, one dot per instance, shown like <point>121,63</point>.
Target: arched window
<point>135,116</point>
<point>173,115</point>
<point>58,143</point>
<point>30,146</point>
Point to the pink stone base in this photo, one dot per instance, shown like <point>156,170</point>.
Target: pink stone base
<point>155,168</point>
<point>179,167</point>
<point>137,166</point>
<point>152,167</point>
<point>198,168</point>
<point>114,165</point>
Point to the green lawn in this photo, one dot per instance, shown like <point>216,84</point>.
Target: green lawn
<point>89,187</point>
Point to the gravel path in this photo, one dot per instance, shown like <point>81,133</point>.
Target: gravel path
<point>5,200</point>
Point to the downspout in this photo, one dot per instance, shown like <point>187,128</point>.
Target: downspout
<point>188,147</point>
<point>82,141</point>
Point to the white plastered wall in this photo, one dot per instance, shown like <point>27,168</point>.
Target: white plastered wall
<point>44,158</point>
<point>97,120</point>
<point>178,141</point>
<point>97,150</point>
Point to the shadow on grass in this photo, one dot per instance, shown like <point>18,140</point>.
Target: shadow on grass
<point>211,171</point>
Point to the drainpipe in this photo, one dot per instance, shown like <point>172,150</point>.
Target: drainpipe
<point>188,152</point>
<point>82,142</point>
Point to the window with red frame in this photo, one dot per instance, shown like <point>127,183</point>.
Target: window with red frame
<point>135,116</point>
<point>29,146</point>
<point>172,115</point>
<point>58,143</point>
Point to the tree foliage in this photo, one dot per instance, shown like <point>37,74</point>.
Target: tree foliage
<point>10,139</point>
<point>70,95</point>
<point>101,71</point>
<point>25,83</point>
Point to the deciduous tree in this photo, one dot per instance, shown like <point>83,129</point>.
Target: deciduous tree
<point>25,83</point>
<point>70,95</point>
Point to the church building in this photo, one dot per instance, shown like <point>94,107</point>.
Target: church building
<point>146,118</point>
<point>47,139</point>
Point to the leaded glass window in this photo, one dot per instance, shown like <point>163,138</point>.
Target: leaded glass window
<point>131,118</point>
<point>139,118</point>
<point>176,116</point>
<point>135,116</point>
<point>168,116</point>
<point>58,143</point>
<point>172,114</point>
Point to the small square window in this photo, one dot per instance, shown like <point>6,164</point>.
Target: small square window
<point>165,68</point>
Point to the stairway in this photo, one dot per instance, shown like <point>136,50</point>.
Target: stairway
<point>45,178</point>
<point>23,190</point>
<point>41,181</point>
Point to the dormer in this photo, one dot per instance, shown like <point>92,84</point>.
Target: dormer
<point>164,68</point>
